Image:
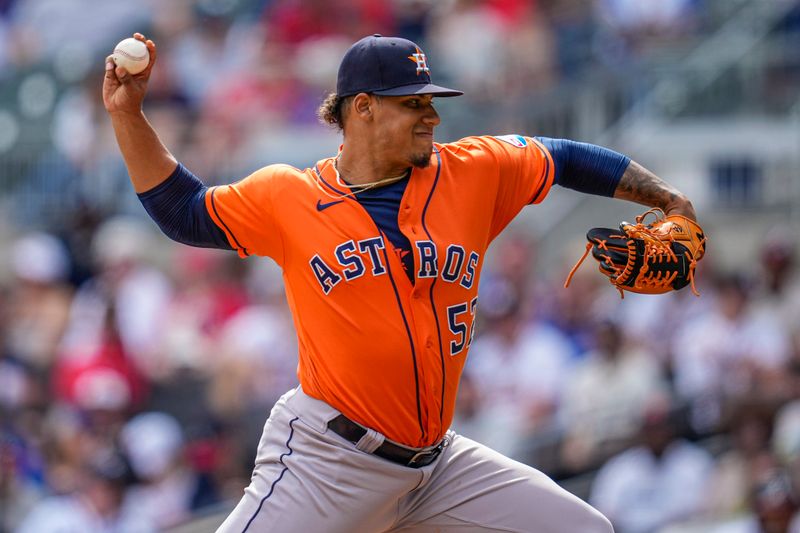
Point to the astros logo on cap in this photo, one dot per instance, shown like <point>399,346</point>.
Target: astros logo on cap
<point>419,59</point>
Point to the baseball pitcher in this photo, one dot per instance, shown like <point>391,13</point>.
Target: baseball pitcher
<point>381,247</point>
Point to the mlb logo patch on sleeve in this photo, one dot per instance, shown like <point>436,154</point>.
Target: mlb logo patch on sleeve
<point>514,140</point>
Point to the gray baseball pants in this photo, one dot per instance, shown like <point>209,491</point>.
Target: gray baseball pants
<point>309,479</point>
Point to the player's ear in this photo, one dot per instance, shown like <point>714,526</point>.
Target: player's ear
<point>363,105</point>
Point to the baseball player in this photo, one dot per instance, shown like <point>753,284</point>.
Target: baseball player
<point>381,247</point>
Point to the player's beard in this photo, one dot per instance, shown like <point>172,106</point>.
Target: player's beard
<point>421,160</point>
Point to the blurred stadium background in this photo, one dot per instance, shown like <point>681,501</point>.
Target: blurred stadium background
<point>136,374</point>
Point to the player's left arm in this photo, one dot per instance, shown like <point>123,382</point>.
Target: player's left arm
<point>597,170</point>
<point>639,185</point>
<point>650,258</point>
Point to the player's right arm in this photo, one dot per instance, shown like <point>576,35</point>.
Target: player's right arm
<point>171,195</point>
<point>231,217</point>
<point>148,160</point>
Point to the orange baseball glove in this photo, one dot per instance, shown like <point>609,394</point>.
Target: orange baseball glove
<point>647,258</point>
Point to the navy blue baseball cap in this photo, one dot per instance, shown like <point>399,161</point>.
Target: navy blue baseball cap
<point>388,66</point>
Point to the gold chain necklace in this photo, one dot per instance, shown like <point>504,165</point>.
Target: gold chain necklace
<point>361,187</point>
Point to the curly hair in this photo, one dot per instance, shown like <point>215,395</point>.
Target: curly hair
<point>331,111</point>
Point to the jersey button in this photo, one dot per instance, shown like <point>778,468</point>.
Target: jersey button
<point>429,343</point>
<point>414,230</point>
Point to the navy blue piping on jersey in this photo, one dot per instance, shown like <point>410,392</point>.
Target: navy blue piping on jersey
<point>410,340</point>
<point>433,283</point>
<point>331,187</point>
<point>238,244</point>
<point>177,206</point>
<point>585,167</point>
<point>545,171</point>
<point>280,476</point>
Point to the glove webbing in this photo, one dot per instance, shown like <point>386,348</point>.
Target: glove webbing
<point>589,246</point>
<point>657,249</point>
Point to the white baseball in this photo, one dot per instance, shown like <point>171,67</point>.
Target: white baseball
<point>132,55</point>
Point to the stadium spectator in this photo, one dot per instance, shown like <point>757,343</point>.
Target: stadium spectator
<point>38,304</point>
<point>166,488</point>
<point>518,366</point>
<point>98,506</point>
<point>662,480</point>
<point>603,395</point>
<point>728,353</point>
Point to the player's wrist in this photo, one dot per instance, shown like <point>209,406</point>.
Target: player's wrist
<point>681,206</point>
<point>127,114</point>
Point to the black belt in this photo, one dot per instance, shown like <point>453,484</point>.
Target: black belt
<point>349,430</point>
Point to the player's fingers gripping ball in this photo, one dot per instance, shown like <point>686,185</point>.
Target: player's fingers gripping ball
<point>649,258</point>
<point>132,55</point>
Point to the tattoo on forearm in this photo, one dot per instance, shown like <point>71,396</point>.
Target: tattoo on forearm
<point>642,186</point>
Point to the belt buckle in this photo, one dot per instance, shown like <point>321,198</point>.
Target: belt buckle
<point>419,458</point>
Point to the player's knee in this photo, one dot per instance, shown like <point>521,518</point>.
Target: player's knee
<point>587,519</point>
<point>596,522</point>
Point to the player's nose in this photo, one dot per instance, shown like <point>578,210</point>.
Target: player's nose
<point>431,117</point>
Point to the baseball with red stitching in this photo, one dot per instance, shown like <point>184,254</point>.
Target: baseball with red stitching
<point>132,55</point>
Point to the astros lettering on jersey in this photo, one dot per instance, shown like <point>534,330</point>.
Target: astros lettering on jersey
<point>394,368</point>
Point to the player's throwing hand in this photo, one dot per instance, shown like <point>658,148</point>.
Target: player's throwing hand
<point>124,92</point>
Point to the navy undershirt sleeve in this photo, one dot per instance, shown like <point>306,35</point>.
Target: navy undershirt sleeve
<point>586,167</point>
<point>177,205</point>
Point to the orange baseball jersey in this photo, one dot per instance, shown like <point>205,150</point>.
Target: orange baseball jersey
<point>385,352</point>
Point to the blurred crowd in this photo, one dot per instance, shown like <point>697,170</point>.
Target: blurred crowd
<point>136,375</point>
<point>144,381</point>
